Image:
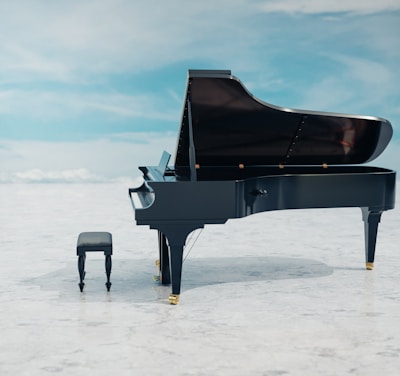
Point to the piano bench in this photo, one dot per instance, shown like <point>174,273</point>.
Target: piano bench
<point>94,242</point>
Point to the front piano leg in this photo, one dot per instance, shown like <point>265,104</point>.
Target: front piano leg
<point>371,221</point>
<point>176,254</point>
<point>174,238</point>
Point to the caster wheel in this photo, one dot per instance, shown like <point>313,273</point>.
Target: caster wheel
<point>173,299</point>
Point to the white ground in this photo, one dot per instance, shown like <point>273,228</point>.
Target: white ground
<point>279,293</point>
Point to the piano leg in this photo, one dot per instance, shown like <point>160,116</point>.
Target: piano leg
<point>175,236</point>
<point>176,254</point>
<point>165,274</point>
<point>371,221</point>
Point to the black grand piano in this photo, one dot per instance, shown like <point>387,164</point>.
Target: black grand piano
<point>237,155</point>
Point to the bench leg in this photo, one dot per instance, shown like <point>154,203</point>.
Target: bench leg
<point>81,269</point>
<point>108,271</point>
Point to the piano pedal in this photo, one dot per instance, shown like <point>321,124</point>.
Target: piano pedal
<point>156,278</point>
<point>369,265</point>
<point>173,299</point>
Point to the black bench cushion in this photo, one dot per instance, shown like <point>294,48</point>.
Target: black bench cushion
<point>94,240</point>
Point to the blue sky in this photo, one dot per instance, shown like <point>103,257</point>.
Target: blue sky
<point>91,89</point>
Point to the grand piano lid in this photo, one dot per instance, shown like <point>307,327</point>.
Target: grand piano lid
<point>224,125</point>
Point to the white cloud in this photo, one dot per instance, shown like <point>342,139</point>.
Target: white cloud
<point>70,39</point>
<point>48,105</point>
<point>108,159</point>
<point>82,41</point>
<point>80,175</point>
<point>360,85</point>
<point>73,41</point>
<point>366,70</point>
<point>329,6</point>
<point>326,94</point>
<point>32,62</point>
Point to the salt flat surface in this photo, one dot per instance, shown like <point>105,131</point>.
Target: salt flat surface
<point>279,293</point>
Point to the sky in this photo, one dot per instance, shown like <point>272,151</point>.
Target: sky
<point>91,89</point>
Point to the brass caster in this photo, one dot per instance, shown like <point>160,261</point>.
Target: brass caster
<point>156,278</point>
<point>157,263</point>
<point>173,299</point>
<point>369,265</point>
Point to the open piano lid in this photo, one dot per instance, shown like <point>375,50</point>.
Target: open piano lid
<point>224,125</point>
